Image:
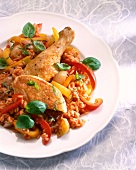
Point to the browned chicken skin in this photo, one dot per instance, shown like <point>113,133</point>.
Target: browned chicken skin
<point>43,65</point>
<point>46,92</point>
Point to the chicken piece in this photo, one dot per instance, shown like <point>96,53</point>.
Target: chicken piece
<point>43,65</point>
<point>35,88</point>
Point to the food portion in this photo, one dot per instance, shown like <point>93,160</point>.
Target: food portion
<point>44,64</point>
<point>45,88</point>
<point>35,88</point>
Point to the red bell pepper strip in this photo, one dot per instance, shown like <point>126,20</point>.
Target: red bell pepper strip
<point>38,28</point>
<point>91,106</point>
<point>46,44</point>
<point>17,96</point>
<point>44,125</point>
<point>84,68</point>
<point>11,106</point>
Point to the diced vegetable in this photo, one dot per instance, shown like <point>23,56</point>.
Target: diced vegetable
<point>45,126</point>
<point>6,56</point>
<point>25,60</point>
<point>30,133</point>
<point>89,91</point>
<point>1,53</point>
<point>22,40</point>
<point>68,80</point>
<point>83,68</point>
<point>55,33</point>
<point>60,77</point>
<point>17,96</point>
<point>12,106</point>
<point>38,28</point>
<point>42,37</point>
<point>65,91</point>
<point>91,106</point>
<point>63,127</point>
<point>16,39</point>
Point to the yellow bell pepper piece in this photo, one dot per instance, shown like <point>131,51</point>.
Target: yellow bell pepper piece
<point>12,38</point>
<point>65,91</point>
<point>31,133</point>
<point>1,53</point>
<point>63,127</point>
<point>39,39</point>
<point>25,60</point>
<point>18,39</point>
<point>55,33</point>
<point>6,56</point>
<point>89,91</point>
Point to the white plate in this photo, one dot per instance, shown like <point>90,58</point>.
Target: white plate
<point>107,88</point>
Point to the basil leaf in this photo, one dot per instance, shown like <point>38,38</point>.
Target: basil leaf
<point>24,122</point>
<point>28,30</point>
<point>79,76</point>
<point>63,66</point>
<point>3,63</point>
<point>36,107</point>
<point>39,46</point>
<point>92,62</point>
<point>32,83</point>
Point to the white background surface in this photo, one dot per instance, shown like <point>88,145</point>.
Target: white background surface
<point>113,148</point>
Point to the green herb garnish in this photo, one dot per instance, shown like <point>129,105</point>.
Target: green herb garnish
<point>92,62</point>
<point>51,119</point>
<point>3,63</point>
<point>36,107</point>
<point>5,84</point>
<point>24,122</point>
<point>39,45</point>
<point>24,50</point>
<point>32,83</point>
<point>79,76</point>
<point>54,90</point>
<point>55,106</point>
<point>28,30</point>
<point>63,66</point>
